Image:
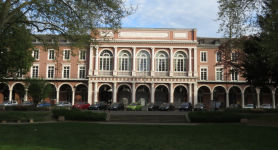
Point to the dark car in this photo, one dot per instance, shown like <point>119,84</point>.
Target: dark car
<point>81,105</point>
<point>217,105</point>
<point>235,106</point>
<point>166,106</point>
<point>186,106</point>
<point>200,107</point>
<point>152,106</point>
<point>43,104</point>
<point>116,106</point>
<point>98,106</point>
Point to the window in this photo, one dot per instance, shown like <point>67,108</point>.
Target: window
<point>84,95</point>
<point>51,54</point>
<point>36,54</point>
<point>234,76</point>
<point>66,71</point>
<point>161,61</point>
<point>143,61</point>
<point>203,74</point>
<point>234,57</point>
<point>35,71</point>
<point>106,60</point>
<point>19,73</point>
<point>124,61</point>
<point>180,61</point>
<point>82,54</point>
<point>202,41</point>
<point>219,75</point>
<point>50,72</point>
<point>218,56</point>
<point>66,54</point>
<point>203,56</point>
<point>82,72</point>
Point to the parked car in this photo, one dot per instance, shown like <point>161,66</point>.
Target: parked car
<point>166,106</point>
<point>9,103</point>
<point>43,104</point>
<point>26,103</point>
<point>266,106</point>
<point>217,105</point>
<point>64,103</point>
<point>249,106</point>
<point>152,106</point>
<point>98,106</point>
<point>200,107</point>
<point>116,106</point>
<point>235,106</point>
<point>134,106</point>
<point>81,105</point>
<point>185,106</point>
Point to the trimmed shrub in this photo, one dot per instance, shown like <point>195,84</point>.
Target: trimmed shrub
<point>214,117</point>
<point>77,114</point>
<point>250,110</point>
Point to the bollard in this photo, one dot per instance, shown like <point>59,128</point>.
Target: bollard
<point>61,118</point>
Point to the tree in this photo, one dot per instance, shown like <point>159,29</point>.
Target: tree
<point>78,21</point>
<point>38,89</point>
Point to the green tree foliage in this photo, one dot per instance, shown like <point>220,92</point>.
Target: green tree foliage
<point>38,89</point>
<point>78,21</point>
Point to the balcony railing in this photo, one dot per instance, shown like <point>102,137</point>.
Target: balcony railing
<point>106,73</point>
<point>124,73</point>
<point>146,73</point>
<point>162,73</point>
<point>223,79</point>
<point>180,74</point>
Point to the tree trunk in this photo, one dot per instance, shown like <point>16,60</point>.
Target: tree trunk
<point>253,96</point>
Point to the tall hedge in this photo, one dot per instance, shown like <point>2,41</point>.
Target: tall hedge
<point>77,114</point>
<point>214,117</point>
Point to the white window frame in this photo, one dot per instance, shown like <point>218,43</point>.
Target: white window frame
<point>201,73</point>
<point>218,71</point>
<point>184,61</point>
<point>32,70</point>
<point>109,62</point>
<point>159,59</point>
<point>79,71</point>
<point>63,71</point>
<point>205,57</point>
<point>49,54</point>
<point>143,63</point>
<point>232,57</point>
<point>80,51</point>
<point>216,54</point>
<point>33,54</point>
<point>50,65</point>
<point>124,62</point>
<point>64,55</point>
<point>236,77</point>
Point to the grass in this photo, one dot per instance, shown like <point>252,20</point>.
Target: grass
<point>38,116</point>
<point>72,136</point>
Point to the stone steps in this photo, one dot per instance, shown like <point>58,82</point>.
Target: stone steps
<point>146,118</point>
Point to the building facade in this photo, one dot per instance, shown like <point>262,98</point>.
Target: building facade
<point>155,65</point>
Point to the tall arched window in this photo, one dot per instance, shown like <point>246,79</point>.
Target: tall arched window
<point>124,61</point>
<point>106,60</point>
<point>161,61</point>
<point>180,61</point>
<point>143,61</point>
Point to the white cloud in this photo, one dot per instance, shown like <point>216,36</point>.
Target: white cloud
<point>198,14</point>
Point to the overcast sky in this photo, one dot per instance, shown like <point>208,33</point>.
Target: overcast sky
<point>198,14</point>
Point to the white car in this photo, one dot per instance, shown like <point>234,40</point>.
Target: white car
<point>64,103</point>
<point>9,103</point>
<point>249,106</point>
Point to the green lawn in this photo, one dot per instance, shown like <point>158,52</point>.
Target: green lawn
<point>79,136</point>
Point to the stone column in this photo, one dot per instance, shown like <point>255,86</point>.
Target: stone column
<point>96,62</point>
<point>152,92</point>
<point>153,62</point>
<point>73,96</point>
<point>190,61</point>
<point>171,93</point>
<point>114,91</point>
<point>95,92</point>
<point>57,96</point>
<point>242,100</point>
<point>195,63</point>
<point>25,96</point>
<point>171,62</point>
<point>115,62</point>
<point>273,100</point>
<point>90,92</point>
<point>190,93</point>
<point>258,100</point>
<point>133,62</point>
<point>227,100</point>
<point>90,72</point>
<point>211,96</point>
<point>133,92</point>
<point>195,94</point>
<point>10,95</point>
